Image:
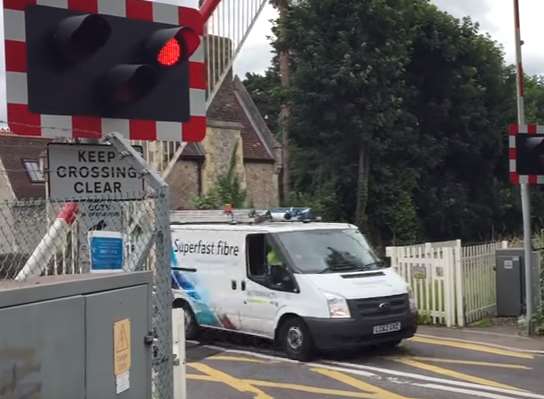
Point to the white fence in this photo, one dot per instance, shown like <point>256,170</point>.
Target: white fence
<point>452,284</point>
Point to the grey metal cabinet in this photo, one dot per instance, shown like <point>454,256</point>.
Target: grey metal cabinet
<point>59,337</point>
<point>36,356</point>
<point>509,284</point>
<point>103,310</point>
<point>510,267</point>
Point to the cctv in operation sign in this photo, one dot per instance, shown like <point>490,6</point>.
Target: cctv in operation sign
<point>91,172</point>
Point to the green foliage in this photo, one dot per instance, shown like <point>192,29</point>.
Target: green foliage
<point>266,92</point>
<point>346,90</point>
<point>427,94</point>
<point>424,318</point>
<point>227,190</point>
<point>323,201</point>
<point>487,322</point>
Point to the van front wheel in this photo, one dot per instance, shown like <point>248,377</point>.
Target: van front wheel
<point>296,339</point>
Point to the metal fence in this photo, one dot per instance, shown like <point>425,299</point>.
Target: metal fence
<point>40,237</point>
<point>452,284</point>
<point>226,31</point>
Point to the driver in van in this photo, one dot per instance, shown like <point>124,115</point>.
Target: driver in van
<point>272,258</point>
<point>275,265</point>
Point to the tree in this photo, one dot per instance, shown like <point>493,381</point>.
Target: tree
<point>398,119</point>
<point>285,108</point>
<point>348,60</point>
<point>265,91</point>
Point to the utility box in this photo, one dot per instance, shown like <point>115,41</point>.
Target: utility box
<point>79,336</point>
<point>510,267</point>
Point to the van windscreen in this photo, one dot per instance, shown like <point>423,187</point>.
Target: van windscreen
<point>329,251</point>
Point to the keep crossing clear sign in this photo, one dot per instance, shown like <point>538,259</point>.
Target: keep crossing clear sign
<point>91,172</point>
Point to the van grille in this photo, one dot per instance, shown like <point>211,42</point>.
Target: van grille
<point>383,306</point>
<point>363,275</point>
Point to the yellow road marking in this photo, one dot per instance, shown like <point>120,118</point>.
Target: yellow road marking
<point>471,347</point>
<point>470,363</point>
<point>231,381</point>
<point>238,359</point>
<point>455,374</point>
<point>292,387</point>
<point>376,392</point>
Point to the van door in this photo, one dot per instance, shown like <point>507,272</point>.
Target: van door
<point>268,285</point>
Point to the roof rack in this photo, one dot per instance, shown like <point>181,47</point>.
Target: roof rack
<point>242,216</point>
<point>235,216</point>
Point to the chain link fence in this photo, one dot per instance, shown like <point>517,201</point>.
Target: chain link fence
<point>40,237</point>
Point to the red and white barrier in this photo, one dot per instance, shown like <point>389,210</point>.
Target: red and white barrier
<point>50,243</point>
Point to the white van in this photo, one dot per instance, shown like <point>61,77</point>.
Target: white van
<point>304,285</point>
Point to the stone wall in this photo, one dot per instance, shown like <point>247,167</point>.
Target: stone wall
<point>262,184</point>
<point>184,182</point>
<point>219,144</point>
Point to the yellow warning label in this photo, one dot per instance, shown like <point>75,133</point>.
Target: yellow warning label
<point>121,347</point>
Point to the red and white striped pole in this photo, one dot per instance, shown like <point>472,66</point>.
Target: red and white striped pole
<point>207,8</point>
<point>524,185</point>
<point>49,244</point>
<point>519,66</point>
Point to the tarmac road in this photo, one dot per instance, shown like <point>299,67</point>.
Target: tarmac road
<point>437,363</point>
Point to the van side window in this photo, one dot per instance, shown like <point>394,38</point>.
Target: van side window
<point>256,256</point>
<point>266,265</point>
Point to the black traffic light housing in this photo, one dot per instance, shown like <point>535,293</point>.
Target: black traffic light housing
<point>107,66</point>
<point>78,37</point>
<point>530,154</point>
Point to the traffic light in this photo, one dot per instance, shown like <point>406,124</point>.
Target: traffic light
<point>108,66</point>
<point>530,154</point>
<point>133,62</point>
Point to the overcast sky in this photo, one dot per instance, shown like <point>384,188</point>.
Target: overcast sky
<point>494,16</point>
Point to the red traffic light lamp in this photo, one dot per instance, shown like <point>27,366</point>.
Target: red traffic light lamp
<point>170,53</point>
<point>77,38</point>
<point>168,47</point>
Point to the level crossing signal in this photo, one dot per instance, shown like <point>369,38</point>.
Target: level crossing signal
<point>526,154</point>
<point>129,66</point>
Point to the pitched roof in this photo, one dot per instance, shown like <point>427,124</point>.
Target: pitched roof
<point>14,150</point>
<point>193,151</point>
<point>254,118</point>
<point>233,103</point>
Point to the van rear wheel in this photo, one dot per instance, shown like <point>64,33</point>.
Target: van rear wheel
<point>192,329</point>
<point>296,339</point>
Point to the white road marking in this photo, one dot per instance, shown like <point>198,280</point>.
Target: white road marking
<point>373,372</point>
<point>436,380</point>
<point>463,391</point>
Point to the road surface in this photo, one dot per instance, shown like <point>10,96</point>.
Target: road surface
<point>427,366</point>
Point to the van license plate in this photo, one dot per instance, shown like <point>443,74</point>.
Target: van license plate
<point>387,328</point>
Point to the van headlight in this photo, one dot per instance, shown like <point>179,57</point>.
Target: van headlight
<point>411,299</point>
<point>338,306</point>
